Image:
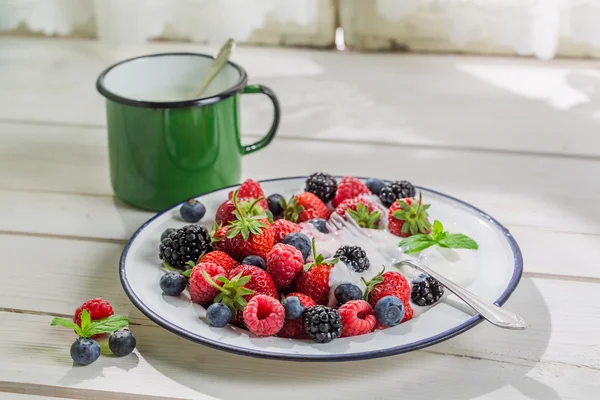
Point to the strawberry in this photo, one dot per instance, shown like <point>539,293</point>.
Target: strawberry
<point>220,258</point>
<point>201,290</point>
<point>250,189</point>
<point>217,237</point>
<point>293,329</point>
<point>361,210</point>
<point>390,283</point>
<point>305,206</point>
<point>284,262</point>
<point>225,212</point>
<point>282,228</point>
<point>313,280</point>
<point>408,217</point>
<point>248,234</point>
<point>348,188</point>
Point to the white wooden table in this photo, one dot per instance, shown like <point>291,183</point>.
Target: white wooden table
<point>517,138</point>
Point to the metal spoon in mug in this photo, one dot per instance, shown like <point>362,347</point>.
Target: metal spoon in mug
<point>220,61</point>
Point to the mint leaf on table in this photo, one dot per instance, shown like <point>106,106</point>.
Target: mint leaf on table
<point>67,324</point>
<point>439,237</point>
<point>106,325</point>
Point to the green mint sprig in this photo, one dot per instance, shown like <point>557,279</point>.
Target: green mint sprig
<point>90,328</point>
<point>439,237</point>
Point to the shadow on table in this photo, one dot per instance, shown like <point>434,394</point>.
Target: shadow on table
<point>480,361</point>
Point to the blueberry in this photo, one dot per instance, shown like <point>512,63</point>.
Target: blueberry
<point>375,185</point>
<point>218,315</point>
<point>192,211</point>
<point>320,225</point>
<point>346,292</point>
<point>300,241</point>
<point>166,233</point>
<point>389,311</point>
<point>121,342</point>
<point>172,283</point>
<point>293,307</point>
<point>256,261</point>
<point>274,201</point>
<point>85,351</point>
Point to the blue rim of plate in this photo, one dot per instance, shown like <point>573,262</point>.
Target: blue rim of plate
<point>450,333</point>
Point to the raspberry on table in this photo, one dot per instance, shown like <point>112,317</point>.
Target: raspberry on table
<point>357,318</point>
<point>98,309</point>
<point>264,315</point>
<point>284,262</point>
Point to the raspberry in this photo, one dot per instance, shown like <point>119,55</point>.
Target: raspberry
<point>220,258</point>
<point>97,308</point>
<point>293,329</point>
<point>357,318</point>
<point>284,262</point>
<point>348,188</point>
<point>264,315</point>
<point>201,291</point>
<point>282,228</point>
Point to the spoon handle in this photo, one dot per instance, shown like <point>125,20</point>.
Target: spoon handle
<point>218,64</point>
<point>491,312</point>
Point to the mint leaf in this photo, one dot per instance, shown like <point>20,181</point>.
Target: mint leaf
<point>438,229</point>
<point>107,325</point>
<point>67,324</point>
<point>416,243</point>
<point>85,319</point>
<point>458,241</point>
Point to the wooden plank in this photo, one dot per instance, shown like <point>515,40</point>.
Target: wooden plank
<point>470,101</point>
<point>166,365</point>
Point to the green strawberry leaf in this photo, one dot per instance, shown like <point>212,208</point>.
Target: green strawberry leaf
<point>67,324</point>
<point>168,267</point>
<point>416,243</point>
<point>187,273</point>
<point>458,241</point>
<point>106,325</point>
<point>377,279</point>
<point>438,228</point>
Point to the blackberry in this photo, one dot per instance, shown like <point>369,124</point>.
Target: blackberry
<point>321,185</point>
<point>183,245</point>
<point>322,324</point>
<point>426,290</point>
<point>353,256</point>
<point>395,190</point>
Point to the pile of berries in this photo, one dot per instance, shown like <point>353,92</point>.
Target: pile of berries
<point>259,267</point>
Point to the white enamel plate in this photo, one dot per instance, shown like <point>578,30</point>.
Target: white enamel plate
<point>499,268</point>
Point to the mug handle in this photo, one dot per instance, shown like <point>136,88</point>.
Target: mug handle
<point>251,89</point>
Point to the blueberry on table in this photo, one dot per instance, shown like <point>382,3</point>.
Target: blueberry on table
<point>346,292</point>
<point>375,185</point>
<point>256,261</point>
<point>218,315</point>
<point>300,241</point>
<point>320,224</point>
<point>275,202</point>
<point>389,311</point>
<point>293,307</point>
<point>85,351</point>
<point>122,342</point>
<point>192,211</point>
<point>172,283</point>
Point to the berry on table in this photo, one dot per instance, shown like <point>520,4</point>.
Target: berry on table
<point>122,342</point>
<point>85,351</point>
<point>304,207</point>
<point>322,324</point>
<point>389,311</point>
<point>220,258</point>
<point>282,228</point>
<point>173,283</point>
<point>97,308</point>
<point>293,307</point>
<point>250,189</point>
<point>300,241</point>
<point>276,204</point>
<point>218,315</point>
<point>354,257</point>
<point>264,315</point>
<point>313,280</point>
<point>184,245</point>
<point>323,185</point>
<point>166,233</point>
<point>349,188</point>
<point>390,283</point>
<point>426,290</point>
<point>294,328</point>
<point>346,292</point>
<point>357,318</point>
<point>361,210</point>
<point>395,190</point>
<point>256,261</point>
<point>407,217</point>
<point>375,185</point>
<point>192,211</point>
<point>320,224</point>
<point>284,262</point>
<point>202,291</point>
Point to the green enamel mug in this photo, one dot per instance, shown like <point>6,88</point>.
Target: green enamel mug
<point>166,145</point>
